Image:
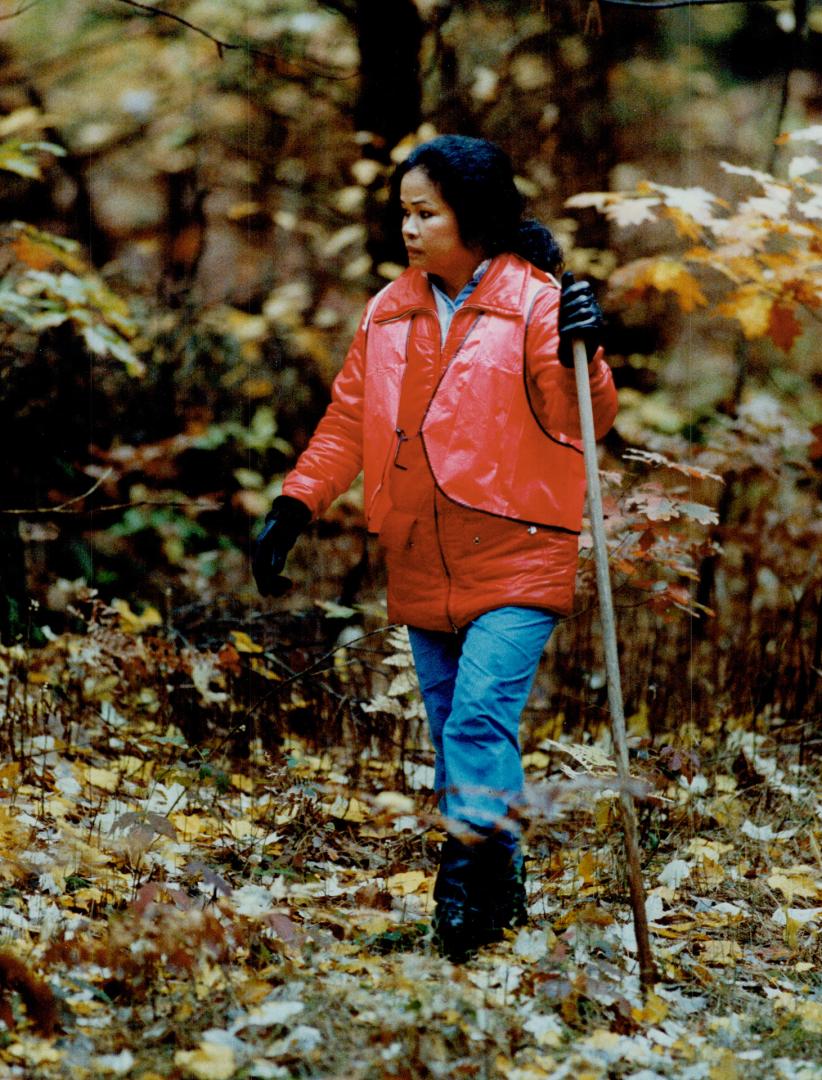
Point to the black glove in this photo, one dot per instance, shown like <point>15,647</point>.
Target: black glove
<point>580,316</point>
<point>283,524</point>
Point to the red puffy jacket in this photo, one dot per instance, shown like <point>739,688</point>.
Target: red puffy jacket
<point>473,471</point>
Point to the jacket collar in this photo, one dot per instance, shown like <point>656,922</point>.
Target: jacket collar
<point>501,291</point>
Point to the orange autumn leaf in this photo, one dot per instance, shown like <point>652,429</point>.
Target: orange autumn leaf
<point>783,327</point>
<point>683,223</point>
<point>38,253</point>
<point>668,275</point>
<point>37,256</point>
<point>803,292</point>
<point>751,308</point>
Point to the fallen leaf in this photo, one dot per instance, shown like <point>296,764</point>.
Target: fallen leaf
<point>721,953</point>
<point>407,882</point>
<point>210,1061</point>
<point>675,873</point>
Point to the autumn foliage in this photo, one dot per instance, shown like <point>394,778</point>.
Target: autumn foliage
<point>217,830</point>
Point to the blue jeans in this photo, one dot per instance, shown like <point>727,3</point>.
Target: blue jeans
<point>475,684</point>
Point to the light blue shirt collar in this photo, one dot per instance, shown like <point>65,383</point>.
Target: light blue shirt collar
<point>446,307</point>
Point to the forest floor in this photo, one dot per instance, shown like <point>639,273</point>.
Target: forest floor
<point>170,910</point>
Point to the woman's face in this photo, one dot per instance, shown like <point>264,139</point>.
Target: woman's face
<point>430,231</point>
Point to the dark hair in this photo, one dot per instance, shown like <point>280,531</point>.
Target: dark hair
<point>476,178</point>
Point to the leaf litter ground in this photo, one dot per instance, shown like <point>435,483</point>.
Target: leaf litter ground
<point>169,910</point>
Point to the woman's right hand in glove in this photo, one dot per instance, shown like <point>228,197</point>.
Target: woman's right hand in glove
<point>283,524</point>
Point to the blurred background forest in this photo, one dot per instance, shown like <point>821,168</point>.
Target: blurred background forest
<point>193,207</point>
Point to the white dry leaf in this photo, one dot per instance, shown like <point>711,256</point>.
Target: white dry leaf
<point>654,907</point>
<point>402,683</point>
<point>622,934</point>
<point>406,823</point>
<point>165,799</point>
<point>772,206</point>
<point>802,165</point>
<point>811,208</point>
<point>418,776</point>
<point>380,703</point>
<point>66,783</point>
<point>394,802</point>
<point>114,1064</point>
<point>596,199</point>
<point>303,1039</point>
<point>677,871</point>
<point>705,515</point>
<point>808,134</point>
<point>262,1069</point>
<point>698,784</point>
<point>269,1013</point>
<point>252,901</point>
<point>694,201</point>
<point>685,1004</point>
<point>13,919</point>
<point>209,1061</point>
<point>743,170</point>
<point>591,758</point>
<point>546,1029</point>
<point>650,457</point>
<point>531,945</point>
<point>204,672</point>
<point>764,832</point>
<point>631,211</point>
<point>799,916</point>
<point>607,1048</point>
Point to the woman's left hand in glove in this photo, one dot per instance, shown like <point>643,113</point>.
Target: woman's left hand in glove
<point>580,316</point>
<point>283,524</point>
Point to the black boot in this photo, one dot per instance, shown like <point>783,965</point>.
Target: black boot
<point>501,899</point>
<point>455,915</point>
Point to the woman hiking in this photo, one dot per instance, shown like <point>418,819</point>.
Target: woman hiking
<point>457,399</point>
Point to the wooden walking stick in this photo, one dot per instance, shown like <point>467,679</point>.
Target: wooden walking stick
<point>647,973</point>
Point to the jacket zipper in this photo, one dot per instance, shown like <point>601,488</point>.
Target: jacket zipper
<point>401,438</point>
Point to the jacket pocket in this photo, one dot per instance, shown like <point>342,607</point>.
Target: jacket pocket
<point>395,533</point>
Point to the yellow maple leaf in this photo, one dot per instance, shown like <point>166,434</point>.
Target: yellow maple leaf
<point>407,882</point>
<point>586,870</point>
<point>751,308</point>
<point>726,1068</point>
<point>243,643</point>
<point>723,953</point>
<point>242,782</point>
<point>669,275</point>
<point>105,779</point>
<point>653,1011</point>
<point>209,1061</point>
<point>134,623</point>
<point>794,882</point>
<point>243,829</point>
<point>349,809</point>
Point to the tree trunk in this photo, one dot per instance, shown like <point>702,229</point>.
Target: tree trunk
<point>389,34</point>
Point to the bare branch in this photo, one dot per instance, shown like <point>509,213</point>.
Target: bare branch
<point>64,508</point>
<point>77,498</point>
<point>287,67</point>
